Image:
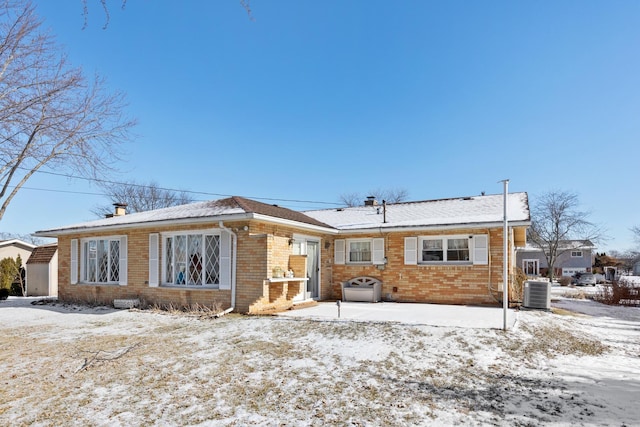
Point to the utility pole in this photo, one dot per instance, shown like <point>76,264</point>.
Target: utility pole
<point>505,258</point>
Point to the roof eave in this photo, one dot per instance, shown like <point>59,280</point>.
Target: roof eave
<point>168,222</point>
<point>296,224</point>
<point>18,242</point>
<point>474,225</point>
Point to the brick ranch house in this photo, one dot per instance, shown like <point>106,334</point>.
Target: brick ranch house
<point>238,253</point>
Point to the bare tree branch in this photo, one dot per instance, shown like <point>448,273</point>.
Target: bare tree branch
<point>246,5</point>
<point>392,195</point>
<point>636,232</point>
<point>104,356</point>
<point>50,113</point>
<point>556,219</point>
<point>24,237</point>
<point>141,197</point>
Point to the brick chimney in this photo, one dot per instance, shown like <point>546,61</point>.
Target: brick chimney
<point>371,201</point>
<point>120,209</point>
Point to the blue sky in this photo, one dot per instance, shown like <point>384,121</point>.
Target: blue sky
<point>314,99</point>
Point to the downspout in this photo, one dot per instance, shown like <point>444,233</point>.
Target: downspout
<point>234,247</point>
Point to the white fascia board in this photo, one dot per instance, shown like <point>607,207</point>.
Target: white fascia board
<point>295,224</point>
<point>432,227</point>
<point>17,242</point>
<point>147,224</point>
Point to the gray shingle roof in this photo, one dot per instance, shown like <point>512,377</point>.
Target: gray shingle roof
<point>214,209</point>
<point>466,211</point>
<point>444,212</point>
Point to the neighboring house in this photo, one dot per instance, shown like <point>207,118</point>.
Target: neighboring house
<point>14,247</point>
<point>42,271</point>
<point>237,252</point>
<point>574,256</point>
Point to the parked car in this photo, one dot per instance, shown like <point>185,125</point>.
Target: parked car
<point>586,279</point>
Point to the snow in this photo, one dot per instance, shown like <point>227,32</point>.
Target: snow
<point>487,209</point>
<point>630,280</point>
<point>418,314</point>
<point>75,365</point>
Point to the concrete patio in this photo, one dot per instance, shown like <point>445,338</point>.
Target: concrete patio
<point>415,314</point>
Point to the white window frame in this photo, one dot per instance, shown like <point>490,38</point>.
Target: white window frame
<point>445,239</point>
<point>348,251</point>
<point>121,265</point>
<point>341,255</point>
<point>202,233</point>
<point>574,254</point>
<point>535,261</point>
<point>376,247</point>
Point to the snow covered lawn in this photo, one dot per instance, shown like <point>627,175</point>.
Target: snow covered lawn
<point>78,366</point>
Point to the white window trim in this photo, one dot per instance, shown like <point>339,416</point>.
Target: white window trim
<point>163,267</point>
<point>122,258</point>
<point>154,258</point>
<point>577,252</point>
<point>377,247</point>
<point>528,260</point>
<point>339,251</point>
<point>347,250</point>
<point>444,239</point>
<point>74,261</point>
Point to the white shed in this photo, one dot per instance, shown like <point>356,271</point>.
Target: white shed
<point>42,271</point>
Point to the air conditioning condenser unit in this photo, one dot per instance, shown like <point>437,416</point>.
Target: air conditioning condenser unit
<point>537,295</point>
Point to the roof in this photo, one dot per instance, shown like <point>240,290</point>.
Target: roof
<point>214,210</point>
<point>42,254</point>
<point>563,245</point>
<point>465,211</point>
<point>17,242</point>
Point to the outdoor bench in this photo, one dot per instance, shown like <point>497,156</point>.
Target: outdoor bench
<point>366,289</point>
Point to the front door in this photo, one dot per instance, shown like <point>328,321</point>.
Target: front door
<point>313,269</point>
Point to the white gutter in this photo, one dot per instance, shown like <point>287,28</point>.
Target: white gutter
<point>124,225</point>
<point>296,224</point>
<point>474,225</point>
<point>234,247</point>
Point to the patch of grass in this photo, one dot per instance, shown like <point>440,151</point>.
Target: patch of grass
<point>551,341</point>
<point>563,312</point>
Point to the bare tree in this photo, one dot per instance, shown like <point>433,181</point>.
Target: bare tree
<point>636,233</point>
<point>555,218</point>
<point>625,260</point>
<point>141,197</point>
<point>246,4</point>
<point>50,113</point>
<point>24,237</point>
<point>393,195</point>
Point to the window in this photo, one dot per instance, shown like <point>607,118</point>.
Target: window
<point>531,267</point>
<point>192,259</point>
<point>445,249</point>
<point>359,251</point>
<point>103,260</point>
<point>576,254</point>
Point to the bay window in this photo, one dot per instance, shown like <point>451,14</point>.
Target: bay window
<point>192,259</point>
